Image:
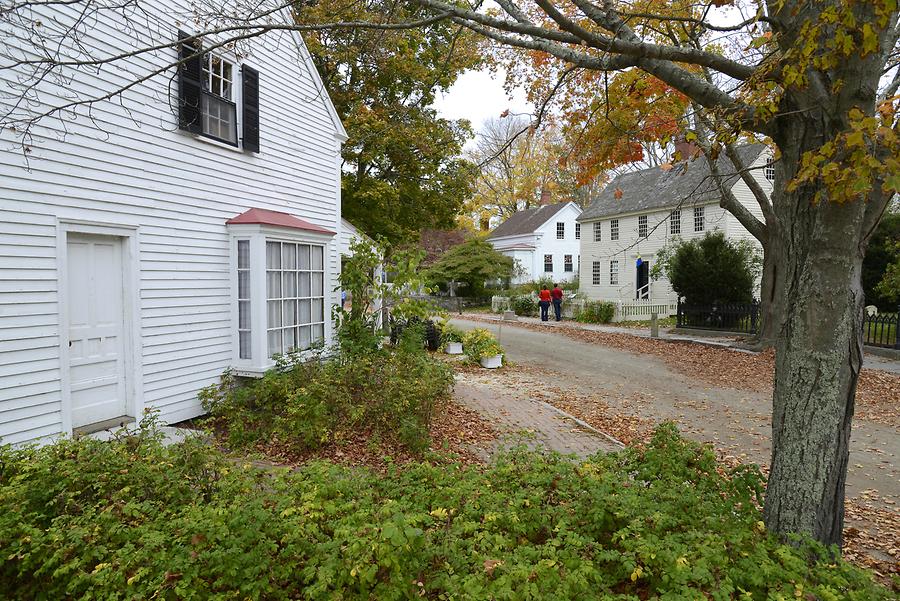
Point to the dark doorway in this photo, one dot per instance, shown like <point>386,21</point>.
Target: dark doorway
<point>643,280</point>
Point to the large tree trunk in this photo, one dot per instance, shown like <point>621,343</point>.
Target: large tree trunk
<point>771,312</point>
<point>818,350</point>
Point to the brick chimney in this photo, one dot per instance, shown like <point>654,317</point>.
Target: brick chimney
<point>545,196</point>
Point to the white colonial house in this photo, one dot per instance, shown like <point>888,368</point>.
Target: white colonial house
<point>190,226</point>
<point>639,212</point>
<point>542,241</point>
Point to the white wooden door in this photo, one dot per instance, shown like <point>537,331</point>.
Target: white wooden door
<point>96,328</point>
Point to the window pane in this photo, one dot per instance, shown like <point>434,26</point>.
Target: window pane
<point>273,255</point>
<point>274,342</point>
<point>290,284</point>
<point>244,315</point>
<point>317,257</point>
<point>243,284</point>
<point>290,339</point>
<point>305,311</point>
<point>289,313</point>
<point>273,284</point>
<point>244,338</point>
<point>304,337</point>
<point>318,333</point>
<point>318,310</point>
<point>274,314</point>
<point>318,284</point>
<point>304,285</point>
<point>243,254</point>
<point>289,256</point>
<point>303,256</point>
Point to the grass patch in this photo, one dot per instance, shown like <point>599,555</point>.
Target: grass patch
<point>130,519</point>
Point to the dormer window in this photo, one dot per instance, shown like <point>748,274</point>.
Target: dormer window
<point>218,105</point>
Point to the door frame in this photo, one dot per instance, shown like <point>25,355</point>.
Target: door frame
<point>131,320</point>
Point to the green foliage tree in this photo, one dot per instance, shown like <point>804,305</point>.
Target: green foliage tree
<point>888,288</point>
<point>472,263</point>
<point>402,165</point>
<point>882,252</point>
<point>709,270</point>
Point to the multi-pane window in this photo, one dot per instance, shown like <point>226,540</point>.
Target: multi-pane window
<point>560,230</point>
<point>675,222</point>
<point>295,294</point>
<point>614,273</point>
<point>243,298</point>
<point>642,226</point>
<point>578,231</point>
<point>219,108</point>
<point>567,263</point>
<point>770,170</point>
<point>613,229</point>
<point>595,273</point>
<point>548,263</point>
<point>597,231</point>
<point>699,221</point>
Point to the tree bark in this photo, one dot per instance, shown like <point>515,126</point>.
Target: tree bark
<point>818,349</point>
<point>770,310</point>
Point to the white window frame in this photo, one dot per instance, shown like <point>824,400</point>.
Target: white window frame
<point>550,264</point>
<point>699,219</point>
<point>642,226</point>
<point>236,99</point>
<point>596,273</point>
<point>560,230</point>
<point>598,233</point>
<point>675,222</point>
<point>568,263</point>
<point>614,272</point>
<point>258,235</point>
<point>578,231</point>
<point>613,229</point>
<point>770,170</point>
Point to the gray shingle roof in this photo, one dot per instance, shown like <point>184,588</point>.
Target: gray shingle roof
<point>653,188</point>
<point>525,222</point>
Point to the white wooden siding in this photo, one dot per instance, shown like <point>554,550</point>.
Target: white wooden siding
<point>177,190</point>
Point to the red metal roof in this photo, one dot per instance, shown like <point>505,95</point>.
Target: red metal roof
<point>277,218</point>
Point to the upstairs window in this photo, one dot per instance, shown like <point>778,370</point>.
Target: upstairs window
<point>218,107</point>
<point>613,229</point>
<point>596,268</point>
<point>699,219</point>
<point>548,263</point>
<point>597,231</point>
<point>642,226</point>
<point>567,263</point>
<point>675,222</point>
<point>560,230</point>
<point>614,273</point>
<point>770,170</point>
<point>578,231</point>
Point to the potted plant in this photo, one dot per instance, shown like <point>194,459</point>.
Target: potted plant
<point>451,339</point>
<point>481,347</point>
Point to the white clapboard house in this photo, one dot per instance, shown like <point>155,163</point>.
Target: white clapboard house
<point>640,212</point>
<point>542,241</point>
<point>188,227</point>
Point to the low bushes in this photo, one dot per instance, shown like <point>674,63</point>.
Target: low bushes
<point>480,343</point>
<point>132,520</point>
<point>306,405</point>
<point>524,305</point>
<point>596,312</point>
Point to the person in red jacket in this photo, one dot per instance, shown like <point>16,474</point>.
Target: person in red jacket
<point>557,295</point>
<point>544,302</point>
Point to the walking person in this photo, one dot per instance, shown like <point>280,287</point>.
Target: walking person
<point>544,302</point>
<point>557,295</point>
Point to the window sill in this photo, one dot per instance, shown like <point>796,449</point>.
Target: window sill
<point>219,143</point>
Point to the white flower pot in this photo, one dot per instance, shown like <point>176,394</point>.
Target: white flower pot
<point>453,348</point>
<point>492,362</point>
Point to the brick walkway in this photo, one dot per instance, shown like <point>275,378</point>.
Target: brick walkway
<point>526,420</point>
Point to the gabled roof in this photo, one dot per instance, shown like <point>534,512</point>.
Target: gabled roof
<point>685,184</point>
<point>527,221</point>
<point>276,218</point>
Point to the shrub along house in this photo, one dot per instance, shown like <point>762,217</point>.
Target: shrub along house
<point>639,212</point>
<point>189,229</point>
<point>543,241</point>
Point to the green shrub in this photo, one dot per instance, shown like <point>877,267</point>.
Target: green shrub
<point>524,305</point>
<point>596,312</point>
<point>480,343</point>
<point>309,404</point>
<point>133,520</point>
<point>450,333</point>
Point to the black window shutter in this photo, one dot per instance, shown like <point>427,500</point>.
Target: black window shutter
<point>250,108</point>
<point>190,86</point>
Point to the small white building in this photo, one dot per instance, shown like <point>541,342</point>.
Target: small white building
<point>639,212</point>
<point>187,227</point>
<point>543,242</point>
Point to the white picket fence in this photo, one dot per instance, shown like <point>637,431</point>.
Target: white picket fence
<point>637,310</point>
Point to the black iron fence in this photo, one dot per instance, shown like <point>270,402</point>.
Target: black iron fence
<point>730,317</point>
<point>882,330</point>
